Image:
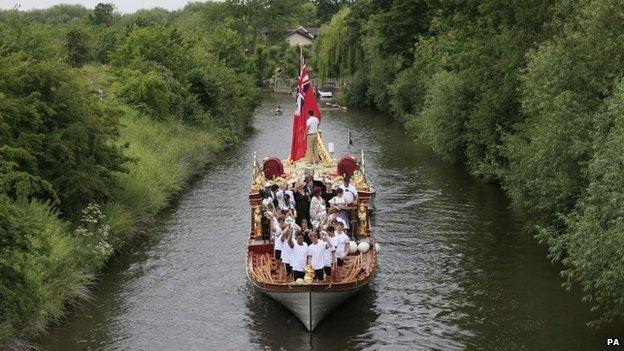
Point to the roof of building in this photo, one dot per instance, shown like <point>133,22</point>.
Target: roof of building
<point>309,33</point>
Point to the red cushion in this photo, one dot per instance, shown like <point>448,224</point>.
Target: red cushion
<point>272,168</point>
<point>346,165</point>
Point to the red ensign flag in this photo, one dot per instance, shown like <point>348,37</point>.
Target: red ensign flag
<point>306,101</point>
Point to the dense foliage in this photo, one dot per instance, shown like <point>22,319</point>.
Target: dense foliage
<point>103,118</point>
<point>525,93</point>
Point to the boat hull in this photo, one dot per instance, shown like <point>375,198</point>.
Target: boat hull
<point>311,302</point>
<point>311,306</point>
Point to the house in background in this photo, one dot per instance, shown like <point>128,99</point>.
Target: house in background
<point>301,36</point>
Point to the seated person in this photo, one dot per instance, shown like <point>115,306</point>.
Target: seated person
<point>350,192</point>
<point>336,217</point>
<point>339,200</point>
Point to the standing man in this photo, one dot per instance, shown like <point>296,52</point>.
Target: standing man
<point>286,252</point>
<point>299,255</point>
<point>312,123</point>
<point>329,256</point>
<point>316,252</point>
<point>341,243</point>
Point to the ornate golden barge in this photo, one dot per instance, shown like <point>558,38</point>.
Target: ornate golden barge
<point>311,301</point>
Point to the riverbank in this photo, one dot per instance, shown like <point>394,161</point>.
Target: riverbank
<point>104,118</point>
<point>499,99</point>
<point>62,266</point>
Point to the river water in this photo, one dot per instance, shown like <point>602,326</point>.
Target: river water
<point>456,271</point>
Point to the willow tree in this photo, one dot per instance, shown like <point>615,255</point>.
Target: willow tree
<point>338,50</point>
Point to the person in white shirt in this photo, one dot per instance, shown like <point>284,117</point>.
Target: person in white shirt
<point>330,252</point>
<point>277,242</point>
<point>350,192</point>
<point>334,217</point>
<point>286,249</point>
<point>299,256</point>
<point>312,124</point>
<point>317,208</point>
<point>340,202</point>
<point>316,252</point>
<point>341,242</point>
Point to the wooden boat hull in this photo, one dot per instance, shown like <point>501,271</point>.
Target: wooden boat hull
<point>311,302</point>
<point>311,306</point>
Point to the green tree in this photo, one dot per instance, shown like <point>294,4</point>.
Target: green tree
<point>442,122</point>
<point>325,9</point>
<point>157,44</point>
<point>550,149</point>
<point>591,244</point>
<point>102,14</point>
<point>48,113</point>
<point>77,46</point>
<point>226,46</point>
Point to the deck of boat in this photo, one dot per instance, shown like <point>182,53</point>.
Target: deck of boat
<point>266,273</point>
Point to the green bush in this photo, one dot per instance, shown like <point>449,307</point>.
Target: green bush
<point>549,152</point>
<point>592,243</point>
<point>54,118</point>
<point>151,92</point>
<point>165,154</point>
<point>442,122</point>
<point>356,92</point>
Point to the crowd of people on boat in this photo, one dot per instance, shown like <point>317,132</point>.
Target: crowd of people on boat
<point>309,225</point>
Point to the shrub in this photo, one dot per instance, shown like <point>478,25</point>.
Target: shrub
<point>442,122</point>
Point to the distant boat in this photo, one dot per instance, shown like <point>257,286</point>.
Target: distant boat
<point>325,94</point>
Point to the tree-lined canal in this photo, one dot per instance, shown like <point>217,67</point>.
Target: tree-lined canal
<point>456,271</point>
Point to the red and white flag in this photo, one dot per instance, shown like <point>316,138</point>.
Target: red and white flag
<point>306,101</point>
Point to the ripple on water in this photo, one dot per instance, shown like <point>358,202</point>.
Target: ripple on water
<point>456,271</point>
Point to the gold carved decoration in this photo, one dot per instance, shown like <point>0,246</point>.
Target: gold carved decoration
<point>258,176</point>
<point>362,216</point>
<point>324,156</point>
<point>257,220</point>
<point>309,274</point>
<point>358,180</point>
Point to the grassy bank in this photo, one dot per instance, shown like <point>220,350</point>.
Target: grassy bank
<point>166,155</point>
<point>65,257</point>
<point>103,119</point>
